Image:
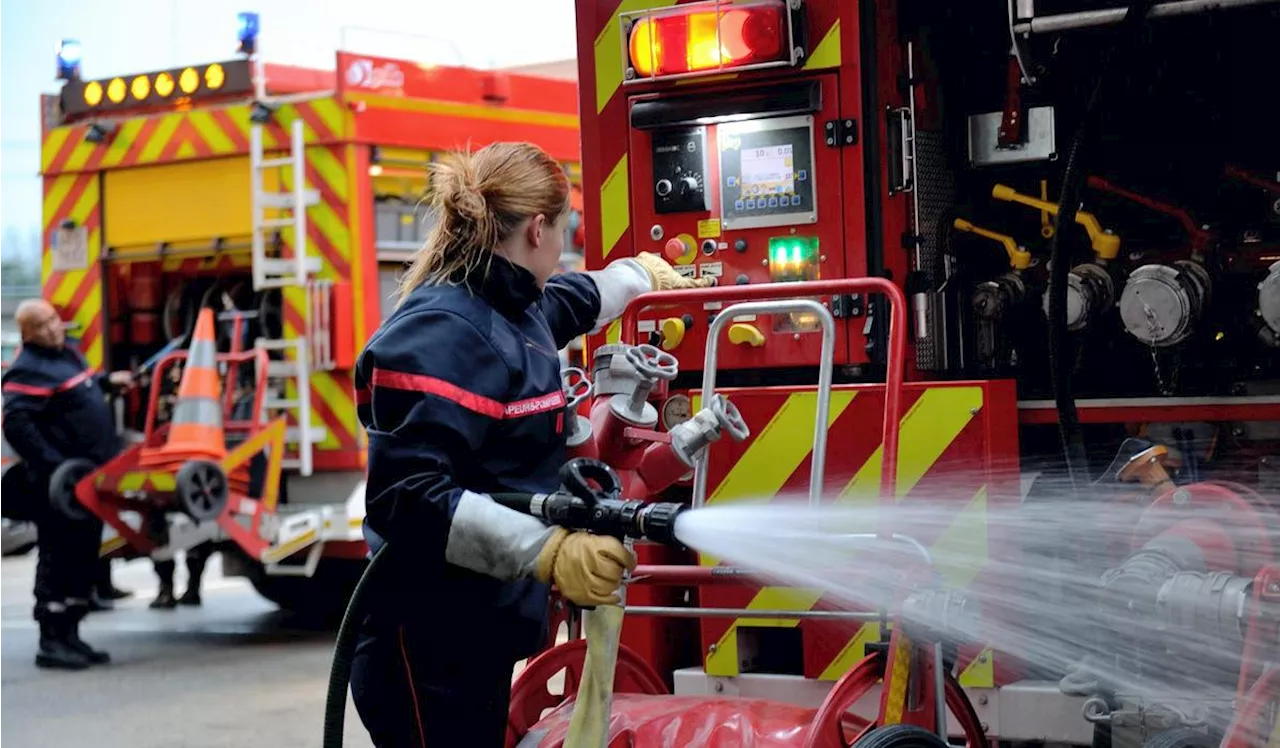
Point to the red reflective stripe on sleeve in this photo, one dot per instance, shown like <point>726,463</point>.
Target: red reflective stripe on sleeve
<point>363,396</point>
<point>26,389</point>
<point>422,383</point>
<point>478,403</point>
<point>75,381</point>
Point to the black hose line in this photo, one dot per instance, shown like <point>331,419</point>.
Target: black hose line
<point>1073,448</point>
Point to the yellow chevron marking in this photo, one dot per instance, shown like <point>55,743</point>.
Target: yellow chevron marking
<point>330,169</point>
<point>960,551</point>
<point>83,150</point>
<point>330,112</point>
<point>335,393</point>
<point>217,140</point>
<point>773,457</point>
<point>59,187</point>
<point>853,652</point>
<point>981,672</point>
<point>52,144</point>
<point>122,142</point>
<point>827,53</point>
<point>160,137</point>
<point>615,206</point>
<point>927,429</point>
<point>469,111</point>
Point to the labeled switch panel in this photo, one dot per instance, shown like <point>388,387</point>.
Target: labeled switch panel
<point>680,171</point>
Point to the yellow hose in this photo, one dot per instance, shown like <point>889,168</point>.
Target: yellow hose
<point>589,725</point>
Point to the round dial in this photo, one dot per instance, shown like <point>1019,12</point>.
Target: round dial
<point>676,410</point>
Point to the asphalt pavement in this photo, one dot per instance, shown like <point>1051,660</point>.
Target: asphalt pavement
<point>234,672</point>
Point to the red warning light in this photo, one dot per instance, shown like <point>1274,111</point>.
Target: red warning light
<point>706,37</point>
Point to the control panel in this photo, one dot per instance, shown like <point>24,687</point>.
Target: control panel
<point>766,167</point>
<point>734,197</point>
<point>680,171</point>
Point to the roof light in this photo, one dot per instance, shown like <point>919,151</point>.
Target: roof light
<point>116,90</point>
<point>706,37</point>
<point>189,80</point>
<point>247,32</point>
<point>164,84</point>
<point>93,93</point>
<point>214,77</point>
<point>140,87</point>
<point>69,60</point>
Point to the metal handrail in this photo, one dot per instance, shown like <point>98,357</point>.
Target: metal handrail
<point>826,365</point>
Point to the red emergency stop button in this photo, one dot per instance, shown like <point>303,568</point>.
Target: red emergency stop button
<point>677,248</point>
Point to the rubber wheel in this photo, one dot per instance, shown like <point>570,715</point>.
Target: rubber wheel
<point>201,489</point>
<point>62,488</point>
<point>901,736</point>
<point>1181,737</point>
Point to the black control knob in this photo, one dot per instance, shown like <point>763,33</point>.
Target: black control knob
<point>742,279</point>
<point>688,185</point>
<point>663,187</point>
<point>740,245</point>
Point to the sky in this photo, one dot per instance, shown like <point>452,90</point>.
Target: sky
<point>158,34</point>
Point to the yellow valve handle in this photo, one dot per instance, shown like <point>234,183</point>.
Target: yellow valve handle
<point>1105,246</point>
<point>672,332</point>
<point>1019,258</point>
<point>744,334</point>
<point>1046,225</point>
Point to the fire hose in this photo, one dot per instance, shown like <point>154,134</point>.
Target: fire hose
<point>589,500</point>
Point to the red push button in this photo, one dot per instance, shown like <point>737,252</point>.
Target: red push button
<point>676,248</point>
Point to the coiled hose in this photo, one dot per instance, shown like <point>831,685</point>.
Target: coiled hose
<point>1073,449</point>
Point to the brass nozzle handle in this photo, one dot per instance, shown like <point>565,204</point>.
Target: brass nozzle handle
<point>1147,468</point>
<point>1019,258</point>
<point>1105,245</point>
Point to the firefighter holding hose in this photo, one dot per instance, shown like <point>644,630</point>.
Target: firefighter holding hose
<point>460,393</point>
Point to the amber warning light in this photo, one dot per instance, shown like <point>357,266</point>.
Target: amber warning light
<point>704,38</point>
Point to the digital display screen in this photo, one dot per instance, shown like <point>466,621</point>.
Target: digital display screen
<point>766,168</point>
<point>768,171</point>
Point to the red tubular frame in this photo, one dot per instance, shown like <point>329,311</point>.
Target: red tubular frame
<point>897,354</point>
<point>233,360</point>
<point>1200,238</point>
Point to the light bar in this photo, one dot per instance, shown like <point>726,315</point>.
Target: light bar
<point>709,37</point>
<point>162,88</point>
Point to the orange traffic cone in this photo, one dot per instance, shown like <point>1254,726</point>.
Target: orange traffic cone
<point>195,431</point>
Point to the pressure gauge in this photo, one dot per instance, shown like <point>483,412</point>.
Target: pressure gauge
<point>676,410</point>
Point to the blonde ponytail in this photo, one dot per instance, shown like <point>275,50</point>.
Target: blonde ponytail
<point>480,199</point>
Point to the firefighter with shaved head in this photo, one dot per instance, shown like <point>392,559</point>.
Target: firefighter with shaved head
<point>55,410</point>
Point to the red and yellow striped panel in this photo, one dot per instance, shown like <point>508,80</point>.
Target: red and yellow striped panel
<point>181,136</point>
<point>77,293</point>
<point>954,439</point>
<point>330,237</point>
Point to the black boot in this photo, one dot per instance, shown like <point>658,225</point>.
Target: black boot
<point>164,570</point>
<point>71,636</point>
<point>55,652</point>
<point>195,570</point>
<point>105,588</point>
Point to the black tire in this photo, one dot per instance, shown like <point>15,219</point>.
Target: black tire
<point>323,595</point>
<point>201,490</point>
<point>901,736</point>
<point>62,488</point>
<point>1181,737</point>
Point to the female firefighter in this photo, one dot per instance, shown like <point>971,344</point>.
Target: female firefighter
<point>460,393</point>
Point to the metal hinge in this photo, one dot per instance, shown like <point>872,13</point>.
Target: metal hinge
<point>841,132</point>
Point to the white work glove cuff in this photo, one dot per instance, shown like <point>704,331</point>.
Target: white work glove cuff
<point>619,283</point>
<point>488,538</point>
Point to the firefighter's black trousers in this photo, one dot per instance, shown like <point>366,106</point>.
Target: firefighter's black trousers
<point>409,696</point>
<point>67,560</point>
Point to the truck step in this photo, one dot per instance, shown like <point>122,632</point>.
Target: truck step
<point>284,200</point>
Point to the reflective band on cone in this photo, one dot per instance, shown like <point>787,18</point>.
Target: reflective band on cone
<point>195,431</point>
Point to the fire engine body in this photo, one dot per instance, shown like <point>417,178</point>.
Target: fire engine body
<point>774,142</point>
<point>170,191</point>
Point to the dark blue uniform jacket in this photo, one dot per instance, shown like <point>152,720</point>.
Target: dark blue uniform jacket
<point>55,409</point>
<point>460,389</point>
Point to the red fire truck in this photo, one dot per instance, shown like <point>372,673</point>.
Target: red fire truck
<point>288,200</point>
<point>1058,222</point>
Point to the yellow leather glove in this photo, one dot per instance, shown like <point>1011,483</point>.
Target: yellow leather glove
<point>665,277</point>
<point>586,568</point>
